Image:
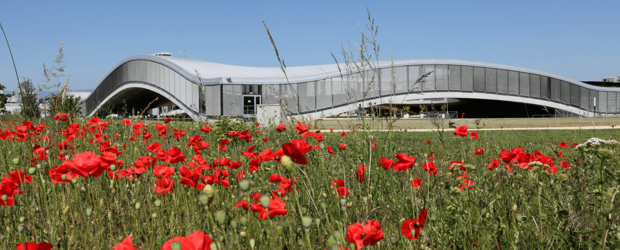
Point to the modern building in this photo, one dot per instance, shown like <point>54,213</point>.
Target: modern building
<point>205,89</point>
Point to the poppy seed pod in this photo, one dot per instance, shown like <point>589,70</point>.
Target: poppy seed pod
<point>31,171</point>
<point>63,177</point>
<point>306,222</point>
<point>39,165</point>
<point>318,222</point>
<point>243,234</point>
<point>220,216</point>
<point>176,245</point>
<point>244,221</point>
<point>204,199</point>
<point>157,202</point>
<point>4,197</point>
<point>20,228</point>
<point>343,202</point>
<point>138,205</point>
<point>154,215</point>
<point>252,243</point>
<point>109,215</point>
<point>244,185</point>
<point>89,211</point>
<point>323,205</point>
<point>74,180</point>
<point>214,245</point>
<point>279,230</point>
<point>394,239</point>
<point>264,201</point>
<point>22,219</point>
<point>300,241</point>
<point>287,163</point>
<point>113,167</point>
<point>234,224</point>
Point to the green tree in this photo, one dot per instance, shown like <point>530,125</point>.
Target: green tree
<point>29,98</point>
<point>3,99</point>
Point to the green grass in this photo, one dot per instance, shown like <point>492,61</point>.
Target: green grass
<point>523,209</point>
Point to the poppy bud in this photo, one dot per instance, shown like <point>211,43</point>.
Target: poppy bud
<point>365,199</point>
<point>39,165</point>
<point>318,222</point>
<point>300,241</point>
<point>209,191</point>
<point>109,215</point>
<point>234,224</point>
<point>264,201</point>
<point>4,197</point>
<point>242,234</point>
<point>220,216</point>
<point>287,163</point>
<point>112,167</point>
<point>63,177</point>
<point>20,228</point>
<point>74,180</point>
<point>343,202</point>
<point>394,238</point>
<point>89,211</point>
<point>306,222</point>
<point>138,205</point>
<point>244,221</point>
<point>31,171</point>
<point>214,245</point>
<point>154,215</point>
<point>176,245</point>
<point>66,210</point>
<point>204,199</point>
<point>22,219</point>
<point>15,161</point>
<point>252,242</point>
<point>349,204</point>
<point>244,185</point>
<point>279,230</point>
<point>323,205</point>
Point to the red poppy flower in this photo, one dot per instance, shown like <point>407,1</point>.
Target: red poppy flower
<point>461,131</point>
<point>126,244</point>
<point>462,167</point>
<point>360,173</point>
<point>343,146</point>
<point>331,130</point>
<point>478,151</point>
<point>430,167</point>
<point>57,172</point>
<point>493,164</point>
<point>473,135</point>
<point>296,150</point>
<point>507,156</point>
<point>404,162</point>
<point>374,145</point>
<point>195,241</point>
<point>340,188</point>
<point>265,139</point>
<point>342,134</point>
<point>575,144</point>
<point>35,246</point>
<point>168,120</point>
<point>565,165</point>
<point>256,124</point>
<point>175,155</point>
<point>416,183</point>
<point>466,184</point>
<point>560,154</point>
<point>163,171</point>
<point>563,145</point>
<point>428,142</point>
<point>276,207</point>
<point>126,122</point>
<point>87,163</point>
<point>206,128</point>
<point>18,177</point>
<point>302,129</point>
<point>281,128</point>
<point>386,163</point>
<point>153,147</point>
<point>364,235</point>
<point>61,116</point>
<point>250,153</point>
<point>415,225</point>
<point>164,186</point>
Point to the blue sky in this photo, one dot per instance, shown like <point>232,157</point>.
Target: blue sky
<point>576,39</point>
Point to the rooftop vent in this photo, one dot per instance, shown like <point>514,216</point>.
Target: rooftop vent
<point>163,54</point>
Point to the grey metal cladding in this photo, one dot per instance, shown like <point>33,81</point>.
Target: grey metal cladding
<point>524,84</point>
<point>565,92</point>
<point>454,79</point>
<point>401,80</point>
<point>291,103</point>
<point>611,102</point>
<point>574,95</point>
<point>534,86</point>
<point>617,103</point>
<point>441,77</point>
<point>584,97</point>
<point>467,78</point>
<point>502,81</point>
<point>387,82</point>
<point>479,79</point>
<point>415,72</point>
<point>339,97</point>
<point>429,82</point>
<point>216,101</point>
<point>310,91</point>
<point>602,101</point>
<point>375,88</point>
<point>228,97</point>
<point>513,83</point>
<point>545,88</point>
<point>491,80</point>
<point>594,100</point>
<point>323,95</point>
<point>555,90</point>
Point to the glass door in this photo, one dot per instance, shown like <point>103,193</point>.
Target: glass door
<point>249,104</point>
